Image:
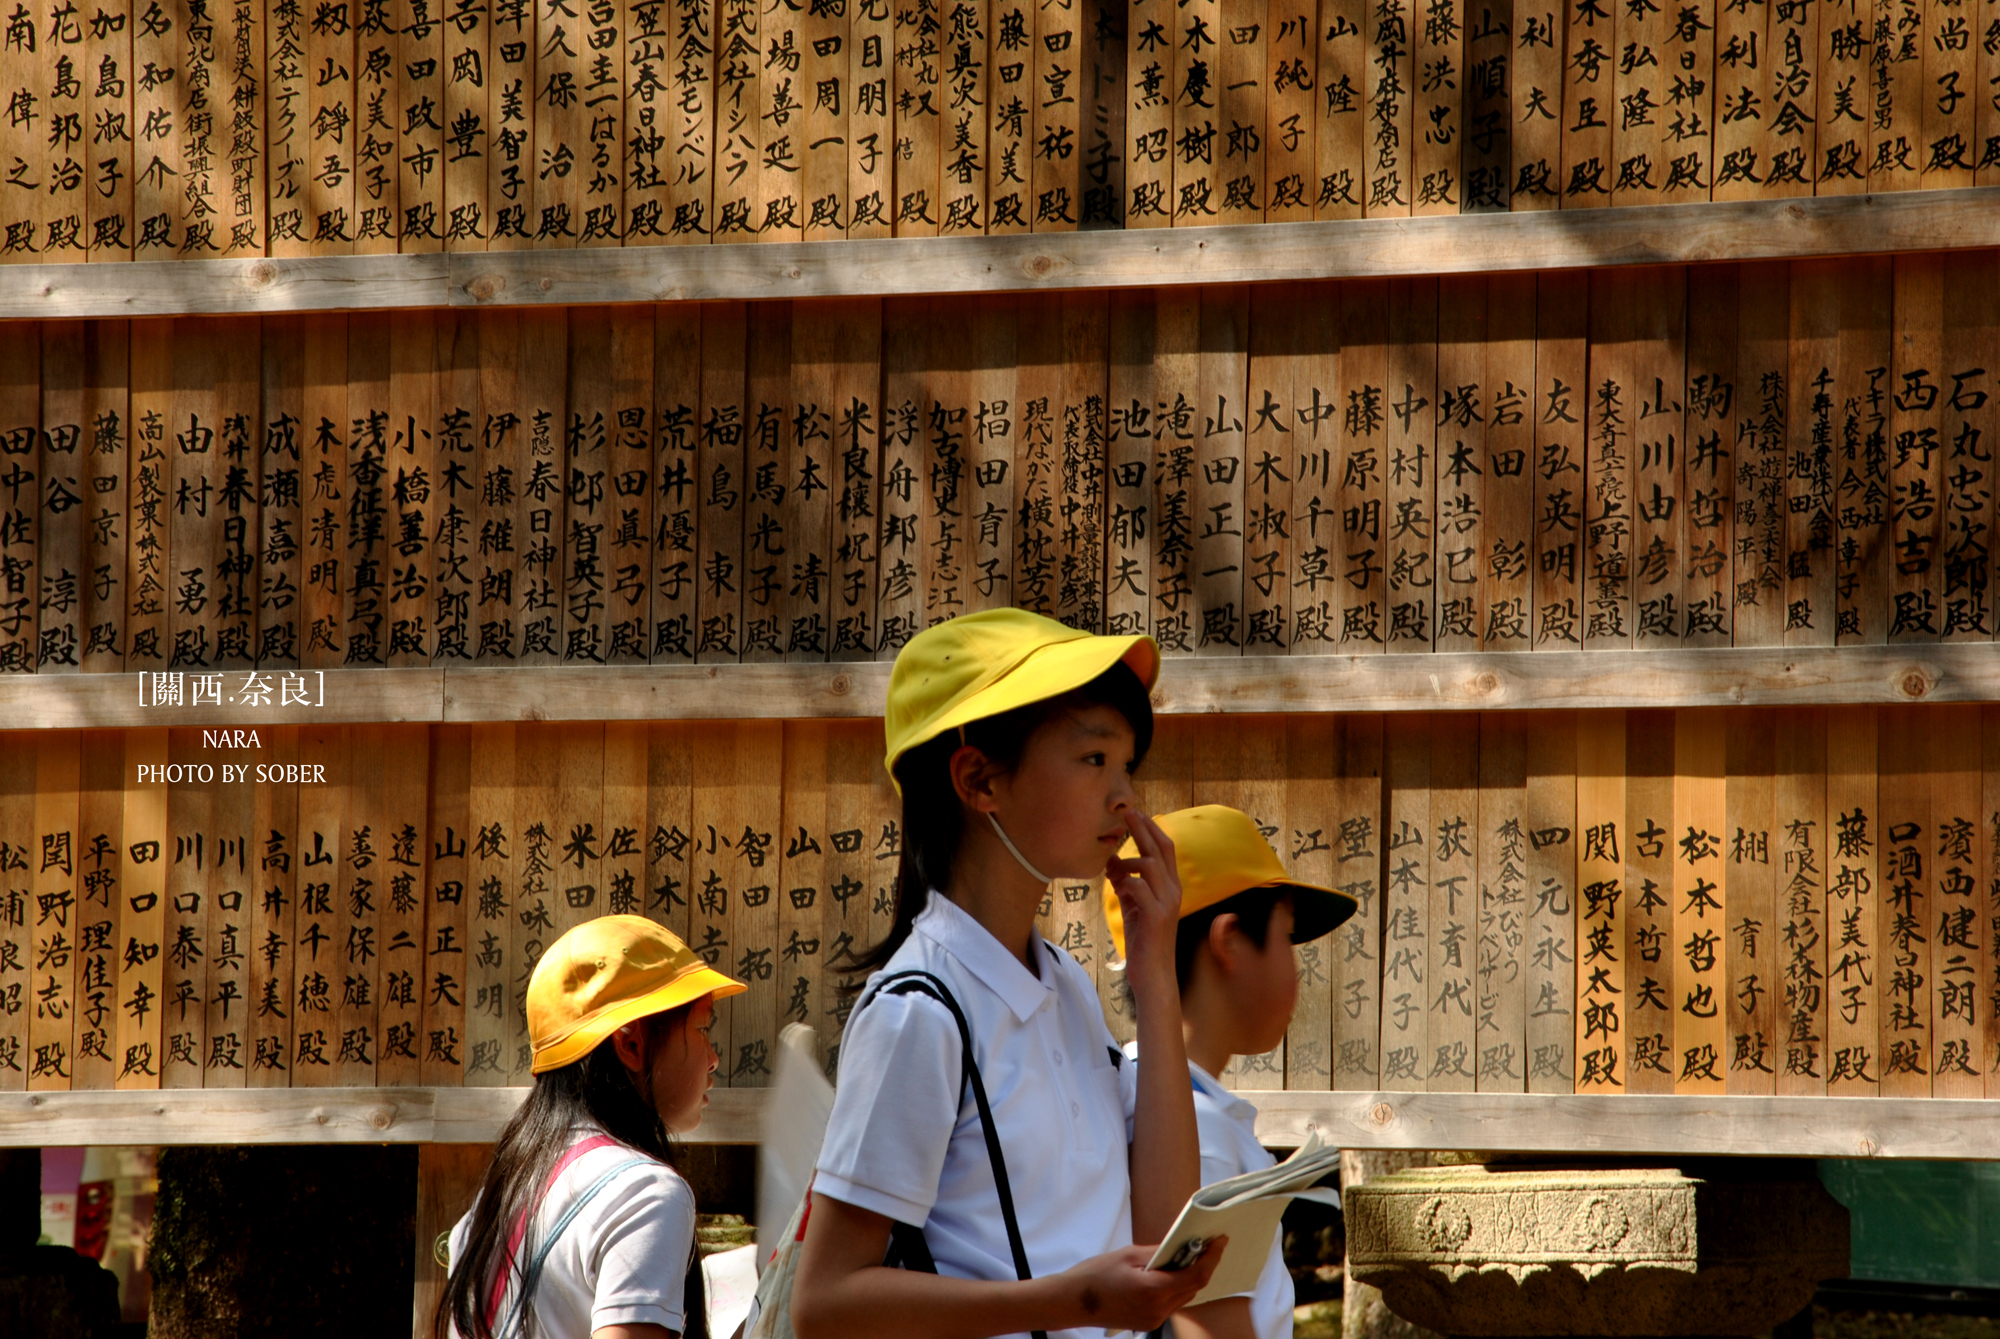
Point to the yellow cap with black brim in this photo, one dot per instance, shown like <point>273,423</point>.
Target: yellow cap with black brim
<point>1219,853</point>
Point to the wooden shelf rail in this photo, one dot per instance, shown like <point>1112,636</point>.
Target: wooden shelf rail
<point>1742,230</point>
<point>1438,681</point>
<point>1803,1127</point>
<point>304,1116</point>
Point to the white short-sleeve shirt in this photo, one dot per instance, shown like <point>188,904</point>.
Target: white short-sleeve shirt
<point>1229,1147</point>
<point>1227,1126</point>
<point>622,1261</point>
<point>905,1143</point>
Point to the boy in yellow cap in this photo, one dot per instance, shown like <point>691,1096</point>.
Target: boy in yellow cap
<point>1240,915</point>
<point>583,1226</point>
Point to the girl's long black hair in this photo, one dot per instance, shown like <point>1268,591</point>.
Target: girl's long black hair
<point>933,819</point>
<point>596,1090</point>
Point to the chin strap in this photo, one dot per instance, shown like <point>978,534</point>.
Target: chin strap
<point>1015,851</point>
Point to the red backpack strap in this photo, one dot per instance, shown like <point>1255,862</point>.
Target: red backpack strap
<point>520,1230</point>
<point>806,1217</point>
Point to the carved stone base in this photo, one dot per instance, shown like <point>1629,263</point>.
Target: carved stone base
<point>1520,1251</point>
<point>1363,1313</point>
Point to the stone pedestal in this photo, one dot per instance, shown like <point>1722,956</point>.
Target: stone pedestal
<point>1363,1313</point>
<point>1507,1251</point>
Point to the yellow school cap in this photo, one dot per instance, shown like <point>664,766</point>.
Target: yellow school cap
<point>1220,853</point>
<point>603,974</point>
<point>978,665</point>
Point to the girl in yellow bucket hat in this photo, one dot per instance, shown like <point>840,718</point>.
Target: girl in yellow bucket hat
<point>987,1135</point>
<point>582,1226</point>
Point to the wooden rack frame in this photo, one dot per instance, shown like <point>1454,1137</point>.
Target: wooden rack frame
<point>1803,1127</point>
<point>1741,230</point>
<point>1433,681</point>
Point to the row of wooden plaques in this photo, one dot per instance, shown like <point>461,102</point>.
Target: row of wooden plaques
<point>163,129</point>
<point>1794,902</point>
<point>1771,455</point>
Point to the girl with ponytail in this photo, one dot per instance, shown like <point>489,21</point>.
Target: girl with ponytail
<point>583,1227</point>
<point>987,1136</point>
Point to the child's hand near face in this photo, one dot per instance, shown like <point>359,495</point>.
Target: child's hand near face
<point>1149,899</point>
<point>1166,1153</point>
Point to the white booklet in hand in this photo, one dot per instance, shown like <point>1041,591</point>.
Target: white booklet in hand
<point>1246,1209</point>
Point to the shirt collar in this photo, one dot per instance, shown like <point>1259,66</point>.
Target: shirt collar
<point>952,929</point>
<point>1225,1100</point>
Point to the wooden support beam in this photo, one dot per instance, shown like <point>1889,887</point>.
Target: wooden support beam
<point>1789,1127</point>
<point>1547,680</point>
<point>1798,1127</point>
<point>668,692</point>
<point>1442,681</point>
<point>1251,253</point>
<point>217,1116</point>
<point>246,286</point>
<point>352,697</point>
<point>1908,221</point>
<point>306,1116</point>
<point>448,1179</point>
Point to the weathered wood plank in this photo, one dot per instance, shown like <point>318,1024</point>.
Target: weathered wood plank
<point>1959,1129</point>
<point>308,1116</point>
<point>224,1115</point>
<point>1792,1126</point>
<point>475,1115</point>
<point>83,701</point>
<point>1463,681</point>
<point>242,286</point>
<point>1453,244</point>
<point>1906,221</point>
<point>1443,681</point>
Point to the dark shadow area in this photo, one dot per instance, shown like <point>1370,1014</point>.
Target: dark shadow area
<point>46,1292</point>
<point>284,1242</point>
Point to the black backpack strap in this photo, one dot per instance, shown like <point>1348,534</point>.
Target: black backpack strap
<point>907,1247</point>
<point>908,1250</point>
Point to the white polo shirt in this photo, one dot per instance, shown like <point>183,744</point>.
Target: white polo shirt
<point>622,1261</point>
<point>1227,1126</point>
<point>901,1142</point>
<point>1229,1147</point>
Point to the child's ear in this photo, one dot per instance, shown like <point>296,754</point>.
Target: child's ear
<point>1225,939</point>
<point>972,774</point>
<point>629,1042</point>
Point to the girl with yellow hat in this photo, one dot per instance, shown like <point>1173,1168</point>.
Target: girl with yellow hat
<point>582,1226</point>
<point>987,1135</point>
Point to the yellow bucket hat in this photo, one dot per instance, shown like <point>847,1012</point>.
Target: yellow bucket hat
<point>603,974</point>
<point>1220,853</point>
<point>978,665</point>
